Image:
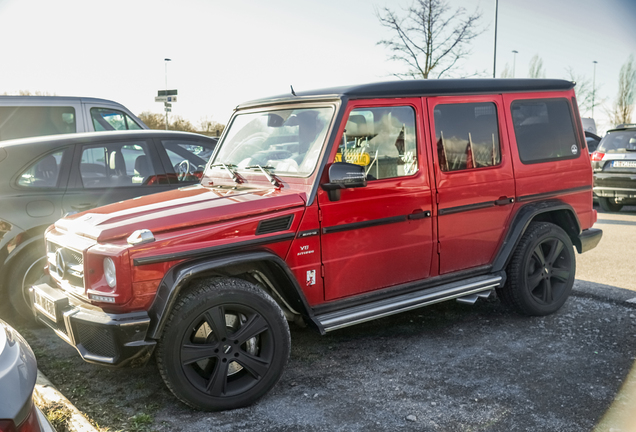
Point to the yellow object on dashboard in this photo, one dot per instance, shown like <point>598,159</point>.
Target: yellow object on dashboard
<point>354,157</point>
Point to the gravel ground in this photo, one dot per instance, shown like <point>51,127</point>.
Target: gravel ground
<point>449,367</point>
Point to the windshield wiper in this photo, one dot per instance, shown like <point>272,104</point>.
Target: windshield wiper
<point>267,174</point>
<point>230,170</point>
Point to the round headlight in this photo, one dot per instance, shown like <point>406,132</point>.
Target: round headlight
<point>109,272</point>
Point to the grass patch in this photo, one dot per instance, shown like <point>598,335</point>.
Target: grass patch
<point>58,415</point>
<point>140,422</point>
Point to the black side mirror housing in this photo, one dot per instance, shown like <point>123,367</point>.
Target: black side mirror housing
<point>344,175</point>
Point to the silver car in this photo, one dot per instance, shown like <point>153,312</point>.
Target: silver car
<point>18,372</point>
<point>614,165</point>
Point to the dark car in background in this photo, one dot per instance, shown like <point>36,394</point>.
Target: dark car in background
<point>18,373</point>
<point>44,178</point>
<point>614,165</point>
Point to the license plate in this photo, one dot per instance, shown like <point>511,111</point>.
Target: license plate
<point>44,305</point>
<point>624,164</point>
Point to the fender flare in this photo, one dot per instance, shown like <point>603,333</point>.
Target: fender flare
<point>557,212</point>
<point>178,277</point>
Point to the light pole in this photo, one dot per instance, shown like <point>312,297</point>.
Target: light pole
<point>594,87</point>
<point>166,64</point>
<point>494,65</point>
<point>514,61</point>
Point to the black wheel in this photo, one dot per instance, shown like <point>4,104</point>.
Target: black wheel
<point>224,346</point>
<point>609,204</point>
<point>541,271</point>
<point>26,269</point>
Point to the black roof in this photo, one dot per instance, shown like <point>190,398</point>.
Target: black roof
<point>54,141</point>
<point>415,88</point>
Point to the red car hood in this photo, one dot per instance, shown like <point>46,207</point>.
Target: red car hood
<point>172,210</point>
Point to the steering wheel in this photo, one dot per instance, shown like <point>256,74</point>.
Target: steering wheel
<point>183,169</point>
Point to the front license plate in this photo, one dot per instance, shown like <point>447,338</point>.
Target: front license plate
<point>624,164</point>
<point>44,305</point>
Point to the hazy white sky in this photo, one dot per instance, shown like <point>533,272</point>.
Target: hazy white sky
<point>227,52</point>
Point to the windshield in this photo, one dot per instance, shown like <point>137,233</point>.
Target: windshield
<point>285,142</point>
<point>618,142</point>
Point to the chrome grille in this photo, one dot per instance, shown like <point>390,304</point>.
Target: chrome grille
<point>66,265</point>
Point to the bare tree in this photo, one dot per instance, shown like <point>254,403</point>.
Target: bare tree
<point>536,67</point>
<point>624,104</point>
<point>210,127</point>
<point>430,37</point>
<point>585,96</point>
<point>506,72</point>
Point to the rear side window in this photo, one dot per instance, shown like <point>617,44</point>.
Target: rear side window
<point>544,130</point>
<point>467,136</point>
<point>25,121</point>
<point>105,119</point>
<point>44,173</point>
<point>117,165</point>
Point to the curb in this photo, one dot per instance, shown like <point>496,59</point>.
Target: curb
<point>45,394</point>
<point>606,293</point>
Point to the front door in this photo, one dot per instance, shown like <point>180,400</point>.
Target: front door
<point>474,178</point>
<point>379,235</point>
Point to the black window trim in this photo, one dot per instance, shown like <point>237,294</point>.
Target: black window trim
<point>573,123</point>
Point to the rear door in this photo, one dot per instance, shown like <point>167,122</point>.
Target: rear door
<point>380,235</point>
<point>473,177</point>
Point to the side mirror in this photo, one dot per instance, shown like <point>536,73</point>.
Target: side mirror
<point>344,175</point>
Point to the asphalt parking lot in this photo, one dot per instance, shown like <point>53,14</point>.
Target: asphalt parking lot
<point>449,367</point>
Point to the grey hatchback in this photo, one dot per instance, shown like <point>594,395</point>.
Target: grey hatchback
<point>45,178</point>
<point>614,166</point>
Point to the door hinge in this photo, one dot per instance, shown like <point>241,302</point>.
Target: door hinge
<point>437,197</point>
<point>322,270</point>
<point>439,248</point>
<point>319,215</point>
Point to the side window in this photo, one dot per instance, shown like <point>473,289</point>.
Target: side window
<point>44,173</point>
<point>467,136</point>
<point>544,130</point>
<point>105,119</point>
<point>21,122</point>
<point>188,158</point>
<point>382,140</point>
<point>116,165</point>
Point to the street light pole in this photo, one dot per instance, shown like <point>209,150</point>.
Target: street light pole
<point>514,61</point>
<point>166,64</point>
<point>594,87</point>
<point>494,65</point>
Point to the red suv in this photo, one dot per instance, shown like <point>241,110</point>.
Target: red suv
<point>329,208</point>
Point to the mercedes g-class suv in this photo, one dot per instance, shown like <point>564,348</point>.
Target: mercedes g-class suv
<point>329,208</point>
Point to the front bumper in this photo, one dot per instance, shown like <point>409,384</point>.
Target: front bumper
<point>99,337</point>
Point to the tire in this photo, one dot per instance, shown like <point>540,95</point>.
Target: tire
<point>541,271</point>
<point>242,345</point>
<point>26,269</point>
<point>609,204</point>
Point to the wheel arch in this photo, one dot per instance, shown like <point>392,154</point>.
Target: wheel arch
<point>274,275</point>
<point>30,240</point>
<point>553,211</point>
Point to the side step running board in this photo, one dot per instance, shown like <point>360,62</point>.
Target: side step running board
<point>463,291</point>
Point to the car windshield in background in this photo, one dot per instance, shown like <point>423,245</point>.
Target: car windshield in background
<point>618,142</point>
<point>287,142</point>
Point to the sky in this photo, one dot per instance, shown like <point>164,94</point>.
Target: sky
<point>227,52</point>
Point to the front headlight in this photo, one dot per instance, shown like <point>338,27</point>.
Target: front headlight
<point>110,272</point>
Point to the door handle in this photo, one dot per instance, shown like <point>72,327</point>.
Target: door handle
<point>419,214</point>
<point>504,201</point>
<point>82,207</point>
